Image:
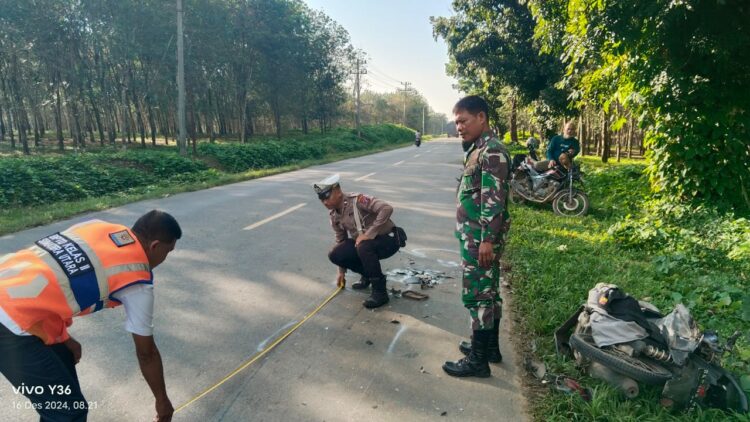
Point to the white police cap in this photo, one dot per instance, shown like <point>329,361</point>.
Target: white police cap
<point>324,186</point>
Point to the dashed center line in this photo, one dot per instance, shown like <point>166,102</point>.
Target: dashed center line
<point>273,217</point>
<point>398,163</point>
<point>417,155</point>
<point>363,177</point>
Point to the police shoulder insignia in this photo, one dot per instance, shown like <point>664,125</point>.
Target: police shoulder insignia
<point>122,238</point>
<point>364,200</point>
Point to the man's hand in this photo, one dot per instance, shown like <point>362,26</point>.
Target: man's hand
<point>486,254</point>
<point>341,280</point>
<point>552,163</point>
<point>75,348</point>
<point>164,410</point>
<point>361,238</point>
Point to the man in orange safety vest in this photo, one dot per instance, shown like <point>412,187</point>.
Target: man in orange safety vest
<point>88,267</point>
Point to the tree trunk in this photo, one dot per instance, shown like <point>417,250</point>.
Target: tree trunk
<point>630,137</point>
<point>277,117</point>
<point>37,134</point>
<point>97,115</point>
<point>580,133</point>
<point>513,118</point>
<point>125,120</point>
<point>141,121</point>
<point>11,122</point>
<point>58,121</point>
<point>2,125</point>
<point>242,101</point>
<point>606,140</point>
<point>151,123</point>
<point>70,115</point>
<point>619,145</point>
<point>22,121</point>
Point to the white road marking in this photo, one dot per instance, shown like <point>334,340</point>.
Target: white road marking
<point>273,217</point>
<point>363,177</point>
<point>395,338</point>
<point>398,163</point>
<point>265,342</point>
<point>417,155</point>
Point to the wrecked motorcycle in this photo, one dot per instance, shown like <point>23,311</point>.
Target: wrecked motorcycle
<point>558,185</point>
<point>624,341</point>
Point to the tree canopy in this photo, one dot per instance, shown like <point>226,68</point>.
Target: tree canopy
<point>680,70</point>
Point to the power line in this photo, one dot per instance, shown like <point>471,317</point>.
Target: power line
<point>381,85</point>
<point>391,85</point>
<point>377,70</point>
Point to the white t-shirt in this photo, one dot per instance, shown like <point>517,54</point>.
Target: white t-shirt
<point>138,301</point>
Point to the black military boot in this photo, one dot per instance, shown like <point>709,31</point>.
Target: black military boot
<point>379,295</point>
<point>362,284</point>
<point>475,364</point>
<point>493,349</point>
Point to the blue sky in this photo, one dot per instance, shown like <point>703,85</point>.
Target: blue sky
<point>397,37</point>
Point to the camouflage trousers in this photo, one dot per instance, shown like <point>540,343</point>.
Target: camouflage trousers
<point>481,287</point>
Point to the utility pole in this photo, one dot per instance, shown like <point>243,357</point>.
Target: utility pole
<point>406,90</point>
<point>423,120</point>
<point>180,82</point>
<point>357,89</point>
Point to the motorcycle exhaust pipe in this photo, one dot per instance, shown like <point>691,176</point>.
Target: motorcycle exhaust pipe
<point>625,385</point>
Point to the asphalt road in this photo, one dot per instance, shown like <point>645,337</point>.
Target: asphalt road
<point>251,264</point>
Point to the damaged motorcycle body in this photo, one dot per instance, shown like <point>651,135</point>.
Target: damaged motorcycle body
<point>625,342</point>
<point>558,186</point>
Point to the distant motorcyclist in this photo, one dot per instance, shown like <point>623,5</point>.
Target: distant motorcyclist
<point>561,149</point>
<point>417,138</point>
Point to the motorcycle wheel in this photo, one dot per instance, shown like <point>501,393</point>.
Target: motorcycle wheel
<point>515,198</point>
<point>641,369</point>
<point>567,206</point>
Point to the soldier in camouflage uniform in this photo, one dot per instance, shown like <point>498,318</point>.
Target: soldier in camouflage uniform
<point>482,227</point>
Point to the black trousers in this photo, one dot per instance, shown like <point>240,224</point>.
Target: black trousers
<point>46,375</point>
<point>365,258</point>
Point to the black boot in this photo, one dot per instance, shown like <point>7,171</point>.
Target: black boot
<point>379,295</point>
<point>362,284</point>
<point>475,364</point>
<point>493,349</point>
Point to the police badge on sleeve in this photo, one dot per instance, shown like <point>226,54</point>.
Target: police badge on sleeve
<point>122,238</point>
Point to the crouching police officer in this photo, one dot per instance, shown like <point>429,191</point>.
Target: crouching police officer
<point>88,267</point>
<point>364,234</point>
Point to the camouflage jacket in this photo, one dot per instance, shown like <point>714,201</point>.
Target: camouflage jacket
<point>482,194</point>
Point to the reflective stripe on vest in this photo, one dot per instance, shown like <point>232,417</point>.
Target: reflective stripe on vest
<point>68,274</point>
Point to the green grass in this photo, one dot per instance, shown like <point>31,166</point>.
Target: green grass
<point>97,181</point>
<point>556,260</point>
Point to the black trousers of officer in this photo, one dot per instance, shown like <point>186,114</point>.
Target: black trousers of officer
<point>365,258</point>
<point>46,375</point>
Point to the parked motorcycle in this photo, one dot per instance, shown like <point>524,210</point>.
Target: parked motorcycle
<point>625,342</point>
<point>558,185</point>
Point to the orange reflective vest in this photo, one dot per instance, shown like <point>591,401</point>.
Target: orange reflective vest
<point>71,273</point>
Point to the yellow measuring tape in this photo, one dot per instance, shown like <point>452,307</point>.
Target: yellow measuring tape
<point>260,354</point>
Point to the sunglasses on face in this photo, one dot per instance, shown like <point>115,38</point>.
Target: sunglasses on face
<point>325,195</point>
